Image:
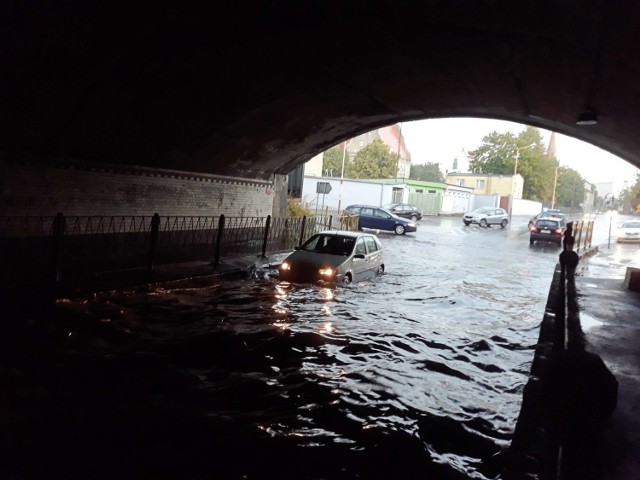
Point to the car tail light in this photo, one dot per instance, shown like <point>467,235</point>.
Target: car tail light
<point>533,229</point>
<point>559,231</point>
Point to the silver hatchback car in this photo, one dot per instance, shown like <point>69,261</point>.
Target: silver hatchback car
<point>334,257</point>
<point>486,216</point>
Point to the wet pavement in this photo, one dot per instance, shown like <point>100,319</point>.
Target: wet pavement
<point>419,374</point>
<point>610,320</point>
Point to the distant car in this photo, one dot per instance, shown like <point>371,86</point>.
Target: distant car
<point>334,257</point>
<point>377,218</point>
<point>547,230</point>
<point>555,213</point>
<point>404,210</point>
<point>629,232</point>
<point>486,216</point>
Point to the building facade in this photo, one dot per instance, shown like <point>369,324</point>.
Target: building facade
<point>489,184</point>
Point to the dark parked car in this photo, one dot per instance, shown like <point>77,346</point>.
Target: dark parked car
<point>547,230</point>
<point>378,218</point>
<point>404,210</point>
<point>557,214</point>
<point>334,257</point>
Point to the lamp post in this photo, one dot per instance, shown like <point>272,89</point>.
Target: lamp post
<point>555,184</point>
<point>344,156</point>
<point>610,214</point>
<point>513,181</point>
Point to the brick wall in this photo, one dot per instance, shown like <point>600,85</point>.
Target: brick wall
<point>37,187</point>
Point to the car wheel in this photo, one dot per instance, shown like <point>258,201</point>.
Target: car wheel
<point>414,218</point>
<point>483,222</point>
<point>466,224</point>
<point>504,222</point>
<point>531,241</point>
<point>380,270</point>
<point>346,280</point>
<point>399,229</point>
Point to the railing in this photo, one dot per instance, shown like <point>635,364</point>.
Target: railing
<point>45,249</point>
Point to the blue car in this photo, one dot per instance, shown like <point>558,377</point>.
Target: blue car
<point>377,218</point>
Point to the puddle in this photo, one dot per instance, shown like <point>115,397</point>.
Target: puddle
<point>588,322</point>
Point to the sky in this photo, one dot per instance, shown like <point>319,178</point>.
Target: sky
<point>442,140</point>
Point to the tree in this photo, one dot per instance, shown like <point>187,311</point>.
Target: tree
<point>499,153</point>
<point>429,172</point>
<point>375,160</point>
<point>332,162</point>
<point>570,189</point>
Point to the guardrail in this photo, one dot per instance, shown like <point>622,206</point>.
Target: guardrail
<point>47,249</point>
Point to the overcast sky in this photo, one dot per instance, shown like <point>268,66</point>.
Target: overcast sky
<point>445,139</point>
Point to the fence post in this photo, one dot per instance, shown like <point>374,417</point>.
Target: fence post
<point>266,236</point>
<point>330,221</point>
<point>304,221</point>
<point>153,240</point>
<point>58,232</point>
<point>216,254</point>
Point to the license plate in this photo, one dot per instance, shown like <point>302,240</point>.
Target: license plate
<point>546,231</point>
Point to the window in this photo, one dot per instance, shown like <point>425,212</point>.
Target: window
<point>479,183</point>
<point>460,182</point>
<point>380,213</point>
<point>360,248</point>
<point>431,191</point>
<point>419,190</point>
<point>371,244</point>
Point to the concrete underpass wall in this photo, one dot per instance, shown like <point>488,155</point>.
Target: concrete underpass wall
<point>43,189</point>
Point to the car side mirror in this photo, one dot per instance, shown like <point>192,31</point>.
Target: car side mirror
<point>388,216</point>
<point>359,255</point>
<point>296,248</point>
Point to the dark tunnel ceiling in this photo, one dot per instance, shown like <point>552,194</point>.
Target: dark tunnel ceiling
<point>256,88</point>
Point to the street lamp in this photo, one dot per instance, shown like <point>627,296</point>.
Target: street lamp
<point>344,156</point>
<point>610,214</point>
<point>555,184</point>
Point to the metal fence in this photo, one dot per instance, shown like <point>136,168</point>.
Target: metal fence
<point>47,249</point>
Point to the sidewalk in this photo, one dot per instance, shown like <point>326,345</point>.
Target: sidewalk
<point>610,320</point>
<point>176,272</point>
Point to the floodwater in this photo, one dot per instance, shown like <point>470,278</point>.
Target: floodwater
<point>418,374</point>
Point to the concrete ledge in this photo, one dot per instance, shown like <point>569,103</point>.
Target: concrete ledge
<point>632,279</point>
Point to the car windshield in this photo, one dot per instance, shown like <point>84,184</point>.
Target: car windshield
<point>329,244</point>
<point>631,225</point>
<point>483,210</point>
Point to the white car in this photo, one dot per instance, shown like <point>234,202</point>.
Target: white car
<point>334,257</point>
<point>486,216</point>
<point>629,232</point>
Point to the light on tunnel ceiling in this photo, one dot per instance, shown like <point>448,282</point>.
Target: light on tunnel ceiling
<point>587,118</point>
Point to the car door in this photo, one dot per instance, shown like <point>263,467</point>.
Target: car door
<point>383,220</point>
<point>359,266</point>
<point>367,219</point>
<point>374,256</point>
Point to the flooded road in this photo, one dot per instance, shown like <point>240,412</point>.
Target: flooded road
<point>418,374</point>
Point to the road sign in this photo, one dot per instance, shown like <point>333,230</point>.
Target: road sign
<point>323,187</point>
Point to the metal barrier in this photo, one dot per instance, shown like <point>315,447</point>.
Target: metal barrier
<point>45,249</point>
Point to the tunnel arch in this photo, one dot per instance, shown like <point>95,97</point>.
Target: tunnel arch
<point>256,89</point>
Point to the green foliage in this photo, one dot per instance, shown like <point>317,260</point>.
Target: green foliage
<point>429,172</point>
<point>570,189</point>
<point>332,163</point>
<point>295,210</point>
<point>499,153</point>
<point>375,160</point>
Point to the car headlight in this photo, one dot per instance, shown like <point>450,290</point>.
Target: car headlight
<point>285,266</point>
<point>411,224</point>
<point>327,272</point>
